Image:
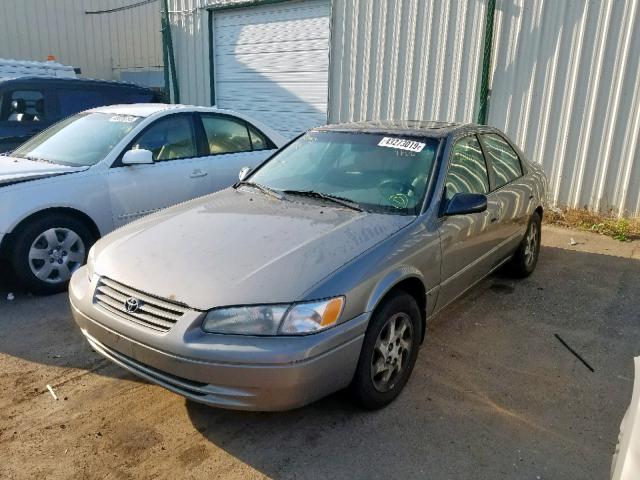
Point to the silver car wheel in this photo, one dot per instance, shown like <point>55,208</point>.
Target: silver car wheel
<point>391,351</point>
<point>531,244</point>
<point>55,254</point>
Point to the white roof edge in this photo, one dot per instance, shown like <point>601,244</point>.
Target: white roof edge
<point>148,109</point>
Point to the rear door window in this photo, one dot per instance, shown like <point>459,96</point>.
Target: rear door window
<point>225,135</point>
<point>467,169</point>
<point>503,158</point>
<point>258,140</point>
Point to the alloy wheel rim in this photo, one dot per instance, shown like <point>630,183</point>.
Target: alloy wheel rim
<point>531,244</point>
<point>55,254</point>
<point>391,352</point>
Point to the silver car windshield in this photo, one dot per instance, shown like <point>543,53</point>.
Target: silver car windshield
<point>80,140</point>
<point>381,173</point>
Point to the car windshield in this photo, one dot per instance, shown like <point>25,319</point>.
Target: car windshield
<point>381,173</point>
<point>81,140</point>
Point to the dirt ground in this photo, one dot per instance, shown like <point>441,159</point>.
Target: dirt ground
<point>493,395</point>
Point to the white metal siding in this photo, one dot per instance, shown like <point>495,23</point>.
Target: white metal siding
<point>566,81</point>
<point>190,33</point>
<point>271,62</point>
<point>101,45</point>
<point>415,59</point>
<point>566,87</point>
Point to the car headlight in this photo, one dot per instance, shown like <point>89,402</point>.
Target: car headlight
<point>297,319</point>
<point>90,263</point>
<point>312,317</point>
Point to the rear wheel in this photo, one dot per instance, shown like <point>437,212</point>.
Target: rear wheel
<point>47,251</point>
<point>389,352</point>
<point>525,259</point>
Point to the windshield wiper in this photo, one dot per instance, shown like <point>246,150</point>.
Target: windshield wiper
<point>263,188</point>
<point>345,202</point>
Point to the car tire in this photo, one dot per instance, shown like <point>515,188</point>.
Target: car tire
<point>47,250</point>
<point>525,258</point>
<point>371,387</point>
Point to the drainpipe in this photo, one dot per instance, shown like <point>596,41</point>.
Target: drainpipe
<point>486,63</point>
<point>168,52</point>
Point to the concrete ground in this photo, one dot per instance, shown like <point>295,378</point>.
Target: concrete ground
<point>493,395</point>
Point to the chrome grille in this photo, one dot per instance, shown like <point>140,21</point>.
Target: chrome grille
<point>151,312</point>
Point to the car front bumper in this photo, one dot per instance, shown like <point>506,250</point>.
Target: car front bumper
<point>228,371</point>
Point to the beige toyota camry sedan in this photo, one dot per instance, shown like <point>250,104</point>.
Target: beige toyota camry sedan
<point>318,270</point>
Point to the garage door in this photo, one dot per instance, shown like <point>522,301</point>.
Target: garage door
<point>272,62</point>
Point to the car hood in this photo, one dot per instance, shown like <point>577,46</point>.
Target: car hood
<point>13,170</point>
<point>239,247</point>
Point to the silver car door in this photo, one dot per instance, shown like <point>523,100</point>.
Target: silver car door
<point>176,175</point>
<point>468,242</point>
<point>511,190</point>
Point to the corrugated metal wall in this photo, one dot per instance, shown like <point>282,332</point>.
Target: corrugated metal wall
<point>190,32</point>
<point>101,45</point>
<point>405,59</point>
<point>565,81</point>
<point>566,86</point>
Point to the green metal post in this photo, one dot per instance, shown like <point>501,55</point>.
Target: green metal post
<point>212,81</point>
<point>165,59</point>
<point>486,63</point>
<point>172,60</point>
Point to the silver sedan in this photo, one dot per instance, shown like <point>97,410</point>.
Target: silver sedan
<point>319,270</point>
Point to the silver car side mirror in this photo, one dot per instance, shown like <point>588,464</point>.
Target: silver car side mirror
<point>244,173</point>
<point>139,156</point>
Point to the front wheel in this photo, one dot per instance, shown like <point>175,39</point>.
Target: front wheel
<point>48,250</point>
<point>389,352</point>
<point>525,258</point>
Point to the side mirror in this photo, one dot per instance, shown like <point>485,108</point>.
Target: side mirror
<point>465,203</point>
<point>244,173</point>
<point>137,157</point>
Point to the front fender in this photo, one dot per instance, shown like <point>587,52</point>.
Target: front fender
<point>81,192</point>
<point>389,281</point>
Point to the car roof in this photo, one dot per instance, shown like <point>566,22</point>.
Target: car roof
<point>148,109</point>
<point>418,128</point>
<point>44,79</point>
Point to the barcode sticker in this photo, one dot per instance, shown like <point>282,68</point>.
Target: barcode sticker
<point>402,144</point>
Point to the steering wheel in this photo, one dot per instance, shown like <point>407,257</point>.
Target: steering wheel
<point>391,186</point>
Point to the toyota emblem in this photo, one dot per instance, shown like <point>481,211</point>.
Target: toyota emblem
<point>132,305</point>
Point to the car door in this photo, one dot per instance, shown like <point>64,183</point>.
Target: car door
<point>468,242</point>
<point>34,114</point>
<point>513,194</point>
<point>176,174</point>
<point>231,144</point>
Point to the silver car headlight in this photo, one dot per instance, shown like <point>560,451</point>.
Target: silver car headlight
<point>312,317</point>
<point>297,319</point>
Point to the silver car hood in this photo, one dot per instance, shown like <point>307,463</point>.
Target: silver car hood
<point>238,247</point>
<point>14,169</point>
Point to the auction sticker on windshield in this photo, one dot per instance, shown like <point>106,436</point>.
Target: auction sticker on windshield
<point>123,118</point>
<point>402,144</point>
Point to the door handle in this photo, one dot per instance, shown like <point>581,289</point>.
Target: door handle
<point>198,173</point>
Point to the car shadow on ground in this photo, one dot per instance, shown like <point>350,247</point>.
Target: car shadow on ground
<point>494,394</point>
